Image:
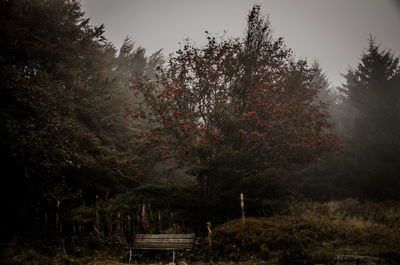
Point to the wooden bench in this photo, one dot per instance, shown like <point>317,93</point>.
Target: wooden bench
<point>162,242</point>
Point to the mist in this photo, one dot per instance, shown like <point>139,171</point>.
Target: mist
<point>259,133</point>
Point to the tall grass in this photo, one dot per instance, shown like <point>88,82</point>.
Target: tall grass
<point>307,232</point>
<point>313,232</point>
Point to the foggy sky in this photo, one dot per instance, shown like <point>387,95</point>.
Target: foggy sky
<point>334,32</point>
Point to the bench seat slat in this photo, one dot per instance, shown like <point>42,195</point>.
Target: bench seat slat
<point>166,248</point>
<point>163,247</point>
<point>187,244</point>
<point>166,236</point>
<point>163,241</point>
<point>155,241</point>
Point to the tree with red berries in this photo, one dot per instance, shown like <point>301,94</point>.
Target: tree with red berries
<point>232,109</point>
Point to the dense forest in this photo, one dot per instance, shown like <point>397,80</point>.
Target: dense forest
<point>99,143</point>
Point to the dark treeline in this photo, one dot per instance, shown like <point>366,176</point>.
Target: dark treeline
<point>71,151</point>
<point>64,93</point>
<point>366,111</point>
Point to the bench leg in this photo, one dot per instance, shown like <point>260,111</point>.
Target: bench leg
<point>130,256</point>
<point>173,256</point>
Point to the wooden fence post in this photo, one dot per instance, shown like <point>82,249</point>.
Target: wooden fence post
<point>209,234</point>
<point>243,218</point>
<point>242,206</point>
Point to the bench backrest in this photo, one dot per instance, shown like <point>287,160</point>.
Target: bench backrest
<point>163,241</point>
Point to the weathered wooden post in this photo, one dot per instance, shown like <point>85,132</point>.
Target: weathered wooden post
<point>209,234</point>
<point>242,206</point>
<point>159,222</point>
<point>145,219</point>
<point>243,217</point>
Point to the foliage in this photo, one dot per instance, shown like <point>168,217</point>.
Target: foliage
<point>62,110</point>
<point>373,91</point>
<point>366,111</point>
<point>231,109</point>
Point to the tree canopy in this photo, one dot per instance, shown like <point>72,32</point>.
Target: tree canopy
<point>233,107</point>
<point>372,89</point>
<point>62,107</point>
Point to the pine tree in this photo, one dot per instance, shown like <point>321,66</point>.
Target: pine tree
<point>373,90</point>
<point>56,75</point>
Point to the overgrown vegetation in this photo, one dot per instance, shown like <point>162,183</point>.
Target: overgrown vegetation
<point>306,233</point>
<point>311,233</point>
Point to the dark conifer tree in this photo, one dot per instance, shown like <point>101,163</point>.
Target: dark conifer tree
<point>372,143</point>
<point>56,77</point>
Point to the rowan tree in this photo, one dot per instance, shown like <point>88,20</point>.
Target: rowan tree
<point>234,107</point>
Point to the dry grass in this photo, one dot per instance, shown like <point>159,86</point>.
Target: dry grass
<point>318,232</point>
<point>309,233</point>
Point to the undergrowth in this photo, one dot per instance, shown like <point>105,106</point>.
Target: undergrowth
<point>313,232</point>
<point>308,233</point>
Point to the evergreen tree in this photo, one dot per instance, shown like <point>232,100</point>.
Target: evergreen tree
<point>56,74</point>
<point>325,92</point>
<point>373,90</point>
